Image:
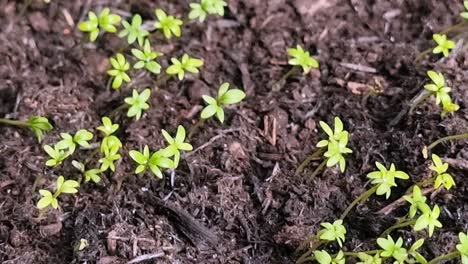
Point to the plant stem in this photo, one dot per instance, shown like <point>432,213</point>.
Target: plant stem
<point>418,100</point>
<point>13,122</point>
<point>422,54</point>
<point>195,128</point>
<point>448,256</point>
<point>399,224</point>
<point>117,110</point>
<point>317,170</point>
<point>306,162</point>
<point>307,242</point>
<point>91,156</point>
<point>355,254</point>
<point>361,198</point>
<point>453,27</point>
<point>279,84</point>
<point>454,137</point>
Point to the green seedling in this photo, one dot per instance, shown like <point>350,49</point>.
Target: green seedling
<point>415,254</point>
<point>110,145</point>
<point>417,201</point>
<point>443,44</point>
<point>159,159</point>
<point>179,67</point>
<point>146,58</point>
<point>110,156</point>
<point>393,249</point>
<point>108,128</point>
<point>302,58</point>
<point>225,97</point>
<point>385,179</point>
<point>336,144</point>
<point>134,31</point>
<point>448,106</point>
<point>70,142</point>
<point>169,25</point>
<point>118,72</point>
<point>465,14</point>
<point>206,7</point>
<point>62,186</point>
<point>442,177</point>
<point>428,219</point>
<point>57,156</point>
<point>176,144</point>
<point>90,175</point>
<point>105,21</point>
<point>332,232</point>
<point>462,247</point>
<point>368,259</point>
<point>441,92</point>
<point>323,257</point>
<point>38,124</point>
<point>137,103</point>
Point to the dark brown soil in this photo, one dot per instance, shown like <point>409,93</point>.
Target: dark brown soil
<point>236,200</point>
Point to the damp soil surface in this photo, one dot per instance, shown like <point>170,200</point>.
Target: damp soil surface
<point>236,197</point>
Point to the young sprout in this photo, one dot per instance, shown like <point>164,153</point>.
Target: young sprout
<point>465,14</point>
<point>110,156</point>
<point>138,103</point>
<point>225,97</point>
<point>385,179</point>
<point>442,178</point>
<point>107,127</point>
<point>176,144</point>
<point>110,142</point>
<point>302,58</point>
<point>368,259</point>
<point>57,156</point>
<point>187,63</point>
<point>413,252</point>
<point>323,257</point>
<point>134,31</point>
<point>105,21</point>
<point>393,249</point>
<point>38,124</point>
<point>169,25</point>
<point>159,159</point>
<point>443,44</point>
<point>462,247</point>
<point>448,106</point>
<point>146,58</point>
<point>201,10</point>
<point>69,142</point>
<point>417,201</point>
<point>336,143</point>
<point>62,186</point>
<point>437,87</point>
<point>428,219</point>
<point>118,71</point>
<point>90,175</point>
<point>332,232</point>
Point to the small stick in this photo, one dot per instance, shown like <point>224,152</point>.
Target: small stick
<point>146,257</point>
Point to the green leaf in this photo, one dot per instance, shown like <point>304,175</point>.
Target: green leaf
<point>107,127</point>
<point>93,175</point>
<point>209,111</point>
<point>39,125</point>
<point>46,199</point>
<point>169,25</point>
<point>302,58</point>
<point>82,137</point>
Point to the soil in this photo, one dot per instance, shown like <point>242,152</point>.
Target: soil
<point>236,199</point>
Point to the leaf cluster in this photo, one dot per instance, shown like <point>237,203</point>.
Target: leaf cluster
<point>70,142</point>
<point>206,7</point>
<point>137,103</point>
<point>441,92</point>
<point>385,178</point>
<point>462,247</point>
<point>302,58</point>
<point>323,257</point>
<point>120,66</point>
<point>336,144</point>
<point>39,125</point>
<point>216,105</point>
<point>169,25</point>
<point>146,58</point>
<point>62,186</point>
<point>105,21</point>
<point>443,44</point>
<point>134,31</point>
<point>186,63</point>
<point>110,145</point>
<point>442,177</point>
<point>332,232</point>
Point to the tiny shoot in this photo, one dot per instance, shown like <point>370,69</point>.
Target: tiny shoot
<point>216,105</point>
<point>105,21</point>
<point>442,177</point>
<point>169,25</point>
<point>38,124</point>
<point>70,142</point>
<point>176,144</point>
<point>385,178</point>
<point>333,232</point>
<point>146,58</point>
<point>120,66</point>
<point>134,31</point>
<point>206,7</point>
<point>138,103</point>
<point>302,58</point>
<point>155,162</point>
<point>179,67</point>
<point>443,44</point>
<point>57,156</point>
<point>62,186</point>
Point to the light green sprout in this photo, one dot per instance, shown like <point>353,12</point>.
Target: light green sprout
<point>465,14</point>
<point>323,257</point>
<point>105,21</point>
<point>462,247</point>
<point>368,259</point>
<point>413,252</point>
<point>201,10</point>
<point>168,24</point>
<point>428,219</point>
<point>138,103</point>
<point>159,159</point>
<point>39,125</point>
<point>336,144</point>
<point>442,177</point>
<point>417,201</point>
<point>448,106</point>
<point>225,97</point>
<point>57,156</point>
<point>70,142</point>
<point>62,186</point>
<point>118,71</point>
<point>146,58</point>
<point>332,232</point>
<point>302,58</point>
<point>385,179</point>
<point>176,144</point>
<point>108,128</point>
<point>90,175</point>
<point>443,44</point>
<point>187,63</point>
<point>438,87</point>
<point>110,156</point>
<point>134,31</point>
<point>393,249</point>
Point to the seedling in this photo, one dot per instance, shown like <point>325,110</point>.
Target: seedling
<point>137,103</point>
<point>179,67</point>
<point>118,71</point>
<point>176,144</point>
<point>134,31</point>
<point>205,7</point>
<point>38,124</point>
<point>62,186</point>
<point>442,177</point>
<point>105,21</point>
<point>225,97</point>
<point>146,58</point>
<point>108,128</point>
<point>169,25</point>
<point>57,156</point>
<point>385,179</point>
<point>159,159</point>
<point>417,201</point>
<point>69,142</point>
<point>110,145</point>
<point>323,257</point>
<point>443,44</point>
<point>428,219</point>
<point>90,175</point>
<point>465,14</point>
<point>302,58</point>
<point>332,232</point>
<point>426,150</point>
<point>462,247</point>
<point>110,156</point>
<point>368,259</point>
<point>393,249</point>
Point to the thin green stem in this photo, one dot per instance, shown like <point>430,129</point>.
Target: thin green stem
<point>398,225</point>
<point>306,162</point>
<point>314,238</point>
<point>454,137</point>
<point>448,256</point>
<point>27,3</point>
<point>13,122</point>
<point>280,83</point>
<point>361,198</point>
<point>419,100</point>
<point>117,110</point>
<point>356,254</point>
<point>91,156</point>
<point>195,128</point>
<point>454,27</point>
<point>317,170</point>
<point>422,54</point>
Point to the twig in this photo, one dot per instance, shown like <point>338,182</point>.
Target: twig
<point>358,67</point>
<point>212,140</point>
<point>146,257</point>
